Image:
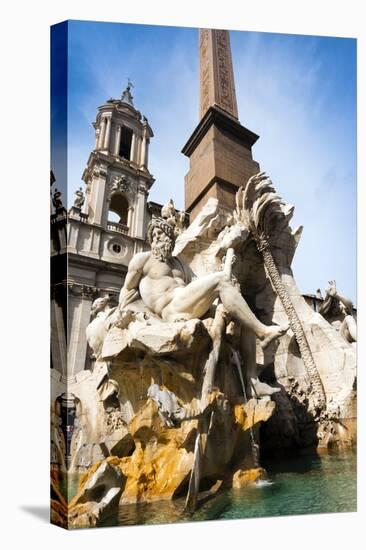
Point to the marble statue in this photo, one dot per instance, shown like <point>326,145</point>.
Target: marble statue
<point>346,322</point>
<point>173,217</point>
<point>79,198</point>
<point>168,211</point>
<point>97,328</point>
<point>56,199</point>
<point>168,287</point>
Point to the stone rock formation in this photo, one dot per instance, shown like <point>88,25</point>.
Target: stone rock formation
<point>98,496</point>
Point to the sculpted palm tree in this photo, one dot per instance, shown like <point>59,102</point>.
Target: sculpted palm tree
<point>260,209</point>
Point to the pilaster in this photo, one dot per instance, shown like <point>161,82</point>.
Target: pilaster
<point>97,194</point>
<point>102,133</point>
<point>107,133</point>
<point>140,211</point>
<point>117,141</point>
<point>80,301</point>
<point>58,335</point>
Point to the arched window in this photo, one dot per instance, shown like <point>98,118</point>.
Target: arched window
<point>125,145</point>
<point>118,209</point>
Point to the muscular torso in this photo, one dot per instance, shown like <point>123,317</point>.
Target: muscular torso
<point>159,281</point>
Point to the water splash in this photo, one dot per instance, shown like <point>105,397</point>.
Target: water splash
<point>254,444</point>
<point>263,483</point>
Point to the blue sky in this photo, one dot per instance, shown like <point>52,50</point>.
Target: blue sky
<point>297,92</point>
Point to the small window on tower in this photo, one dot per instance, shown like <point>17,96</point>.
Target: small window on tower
<point>116,248</point>
<point>125,146</point>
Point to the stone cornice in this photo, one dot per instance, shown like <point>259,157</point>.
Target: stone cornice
<point>114,162</point>
<point>223,121</point>
<point>95,263</point>
<point>85,291</point>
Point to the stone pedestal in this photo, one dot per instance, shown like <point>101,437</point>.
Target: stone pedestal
<point>220,153</point>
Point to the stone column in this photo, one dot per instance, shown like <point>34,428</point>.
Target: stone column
<point>58,337</point>
<point>138,150</point>
<point>147,153</point>
<point>85,207</point>
<point>62,238</point>
<point>97,195</point>
<point>97,132</point>
<point>139,224</point>
<point>72,235</point>
<point>102,133</point>
<point>129,219</point>
<point>80,302</point>
<point>143,150</point>
<point>133,148</point>
<point>117,141</point>
<point>107,134</point>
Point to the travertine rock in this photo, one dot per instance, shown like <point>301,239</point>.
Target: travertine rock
<point>160,465</point>
<point>98,495</point>
<point>243,478</point>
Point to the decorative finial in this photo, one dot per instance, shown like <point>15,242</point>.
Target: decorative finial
<point>127,97</point>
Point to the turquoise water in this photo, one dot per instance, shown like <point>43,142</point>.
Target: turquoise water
<point>306,485</point>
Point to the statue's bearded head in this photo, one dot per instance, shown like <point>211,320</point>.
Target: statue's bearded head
<point>99,305</point>
<point>160,235</point>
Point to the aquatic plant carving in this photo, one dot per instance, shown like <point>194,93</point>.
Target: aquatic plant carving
<point>264,213</point>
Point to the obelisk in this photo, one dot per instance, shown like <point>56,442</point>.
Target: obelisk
<point>216,72</point>
<point>220,148</point>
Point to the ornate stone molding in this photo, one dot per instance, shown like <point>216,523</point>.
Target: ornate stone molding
<point>84,291</point>
<point>143,188</point>
<point>123,184</point>
<point>99,172</point>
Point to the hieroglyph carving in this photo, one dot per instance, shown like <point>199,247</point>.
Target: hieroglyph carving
<point>225,76</point>
<point>204,71</point>
<point>216,72</point>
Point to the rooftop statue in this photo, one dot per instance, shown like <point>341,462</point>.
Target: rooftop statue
<point>56,199</point>
<point>335,305</point>
<point>79,198</point>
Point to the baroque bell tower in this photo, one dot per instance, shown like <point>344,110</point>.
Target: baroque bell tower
<point>220,148</point>
<point>107,223</point>
<point>117,176</point>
